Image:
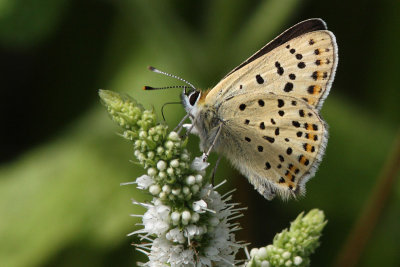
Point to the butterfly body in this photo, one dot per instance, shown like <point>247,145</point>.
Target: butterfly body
<point>264,115</point>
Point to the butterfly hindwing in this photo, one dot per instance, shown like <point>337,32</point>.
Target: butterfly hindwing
<point>275,141</point>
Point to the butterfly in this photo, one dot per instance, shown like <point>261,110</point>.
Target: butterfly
<point>264,114</point>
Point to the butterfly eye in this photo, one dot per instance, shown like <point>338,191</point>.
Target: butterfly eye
<point>193,97</point>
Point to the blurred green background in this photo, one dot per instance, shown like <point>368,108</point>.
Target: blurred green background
<point>61,162</point>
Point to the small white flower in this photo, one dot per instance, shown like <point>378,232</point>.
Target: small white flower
<point>162,175</point>
<point>253,252</point>
<point>166,188</point>
<point>176,191</point>
<point>156,219</point>
<point>199,165</point>
<point>142,134</point>
<point>190,180</point>
<point>154,189</point>
<point>151,172</point>
<point>176,235</point>
<point>186,216</point>
<point>286,255</point>
<point>170,171</point>
<point>173,136</point>
<point>297,260</point>
<point>163,195</point>
<point>185,190</point>
<point>262,253</point>
<point>199,206</point>
<point>163,211</point>
<point>199,179</point>
<point>150,155</point>
<point>169,144</point>
<point>160,150</point>
<point>175,217</point>
<point>161,165</point>
<point>144,182</point>
<point>174,163</point>
<point>191,231</point>
<point>187,256</point>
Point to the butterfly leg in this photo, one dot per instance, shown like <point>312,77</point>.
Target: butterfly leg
<point>215,170</point>
<point>205,155</point>
<point>178,128</point>
<point>190,128</point>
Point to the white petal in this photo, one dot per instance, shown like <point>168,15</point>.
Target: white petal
<point>144,181</point>
<point>199,206</point>
<point>198,164</point>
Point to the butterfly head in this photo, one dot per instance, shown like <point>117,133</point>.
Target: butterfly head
<point>190,98</point>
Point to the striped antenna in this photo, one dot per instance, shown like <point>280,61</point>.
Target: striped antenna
<point>161,88</point>
<point>170,75</point>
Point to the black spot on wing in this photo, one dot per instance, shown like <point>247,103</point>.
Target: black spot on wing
<point>269,139</point>
<point>279,68</point>
<point>267,165</point>
<point>301,65</point>
<point>288,87</point>
<point>259,79</point>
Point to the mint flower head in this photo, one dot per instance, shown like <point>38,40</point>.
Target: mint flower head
<point>292,247</point>
<point>187,222</point>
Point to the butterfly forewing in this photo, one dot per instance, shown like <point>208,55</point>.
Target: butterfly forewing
<point>276,141</point>
<point>300,28</point>
<point>303,67</point>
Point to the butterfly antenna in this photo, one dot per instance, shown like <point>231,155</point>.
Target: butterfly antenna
<point>171,75</point>
<point>168,103</point>
<point>165,87</point>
